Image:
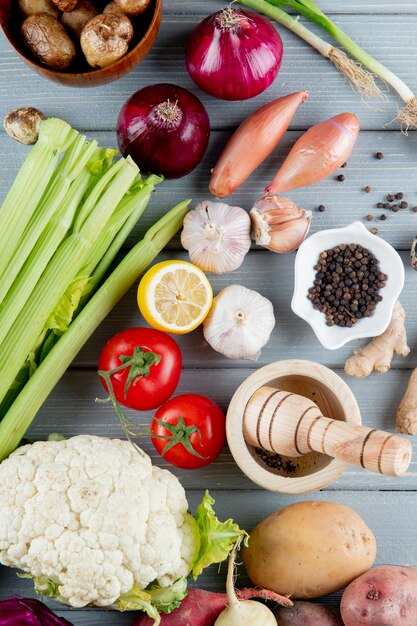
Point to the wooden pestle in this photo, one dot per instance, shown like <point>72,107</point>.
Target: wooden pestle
<point>292,425</point>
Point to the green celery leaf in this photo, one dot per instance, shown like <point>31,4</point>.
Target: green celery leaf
<point>138,600</point>
<point>167,599</point>
<point>61,317</point>
<point>217,538</point>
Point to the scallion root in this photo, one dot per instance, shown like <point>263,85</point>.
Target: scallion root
<point>361,80</point>
<point>407,116</point>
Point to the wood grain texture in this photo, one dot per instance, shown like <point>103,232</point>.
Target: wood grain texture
<point>392,42</point>
<point>344,201</point>
<point>248,509</point>
<point>271,275</point>
<point>71,410</point>
<point>387,30</point>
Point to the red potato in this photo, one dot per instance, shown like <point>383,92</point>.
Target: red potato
<point>307,614</point>
<point>202,608</point>
<point>383,596</point>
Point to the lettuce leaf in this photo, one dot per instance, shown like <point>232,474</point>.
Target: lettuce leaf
<point>217,538</point>
<point>61,317</point>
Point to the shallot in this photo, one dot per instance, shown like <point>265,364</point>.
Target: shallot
<point>317,154</point>
<point>234,54</point>
<point>253,141</point>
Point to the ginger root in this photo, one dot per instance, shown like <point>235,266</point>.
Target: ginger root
<point>407,411</point>
<point>378,354</point>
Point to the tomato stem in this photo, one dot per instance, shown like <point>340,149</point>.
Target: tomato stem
<point>139,364</point>
<point>179,434</point>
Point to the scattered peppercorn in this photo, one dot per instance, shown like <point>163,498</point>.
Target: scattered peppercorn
<point>321,208</point>
<point>369,218</point>
<point>383,217</point>
<point>390,197</point>
<point>380,205</point>
<point>374,231</point>
<point>368,189</point>
<point>386,205</point>
<point>395,208</point>
<point>344,164</point>
<point>399,195</point>
<point>341,178</point>
<point>379,156</point>
<point>414,209</point>
<point>404,205</point>
<point>347,284</point>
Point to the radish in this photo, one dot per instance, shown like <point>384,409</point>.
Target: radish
<point>242,612</point>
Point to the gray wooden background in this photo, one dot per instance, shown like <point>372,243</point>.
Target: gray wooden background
<point>386,29</point>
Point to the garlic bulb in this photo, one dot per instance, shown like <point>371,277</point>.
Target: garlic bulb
<point>278,224</point>
<point>217,236</point>
<point>240,323</point>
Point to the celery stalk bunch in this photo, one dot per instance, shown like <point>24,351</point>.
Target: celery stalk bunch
<point>65,218</point>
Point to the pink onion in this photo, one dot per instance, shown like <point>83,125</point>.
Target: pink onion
<point>165,129</point>
<point>234,54</point>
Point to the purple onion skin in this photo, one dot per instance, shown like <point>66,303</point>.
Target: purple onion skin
<point>170,148</point>
<point>18,611</point>
<point>236,62</point>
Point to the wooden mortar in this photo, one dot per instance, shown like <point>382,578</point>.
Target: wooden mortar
<point>296,469</point>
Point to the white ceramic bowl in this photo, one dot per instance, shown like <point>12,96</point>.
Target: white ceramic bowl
<point>333,337</point>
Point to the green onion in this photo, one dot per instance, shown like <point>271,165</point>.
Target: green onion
<point>407,116</point>
<point>362,80</point>
<point>22,412</point>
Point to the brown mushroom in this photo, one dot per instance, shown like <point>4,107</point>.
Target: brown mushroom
<point>33,7</point>
<point>133,7</point>
<point>74,21</point>
<point>112,7</point>
<point>24,124</point>
<point>65,5</point>
<point>48,41</point>
<point>105,39</point>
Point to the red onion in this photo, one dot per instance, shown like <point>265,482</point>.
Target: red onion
<point>234,54</point>
<point>165,129</point>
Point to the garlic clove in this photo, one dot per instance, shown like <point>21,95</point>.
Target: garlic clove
<point>217,236</point>
<point>239,323</point>
<point>278,224</point>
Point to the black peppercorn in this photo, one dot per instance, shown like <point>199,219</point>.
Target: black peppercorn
<point>368,189</point>
<point>390,197</point>
<point>399,195</point>
<point>341,178</point>
<point>383,217</point>
<point>346,284</point>
<point>321,208</point>
<point>380,205</point>
<point>379,156</point>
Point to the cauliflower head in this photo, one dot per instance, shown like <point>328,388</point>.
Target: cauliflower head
<point>90,519</point>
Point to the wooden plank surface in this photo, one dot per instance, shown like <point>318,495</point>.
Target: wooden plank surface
<point>392,42</point>
<point>344,201</point>
<point>387,30</point>
<point>249,509</point>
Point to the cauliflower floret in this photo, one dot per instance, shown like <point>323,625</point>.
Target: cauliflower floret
<point>93,514</point>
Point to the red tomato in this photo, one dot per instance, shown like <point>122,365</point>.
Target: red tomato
<point>189,431</point>
<point>152,367</point>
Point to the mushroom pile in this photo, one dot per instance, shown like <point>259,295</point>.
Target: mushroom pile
<point>57,32</point>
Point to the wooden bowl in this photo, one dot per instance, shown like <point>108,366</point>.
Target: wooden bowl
<point>84,76</point>
<point>289,474</point>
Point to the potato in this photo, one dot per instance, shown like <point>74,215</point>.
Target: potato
<point>23,124</point>
<point>112,7</point>
<point>47,40</point>
<point>384,596</point>
<point>309,549</point>
<point>105,39</point>
<point>307,614</point>
<point>74,21</point>
<point>33,7</point>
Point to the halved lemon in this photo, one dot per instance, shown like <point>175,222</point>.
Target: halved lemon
<point>175,296</point>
